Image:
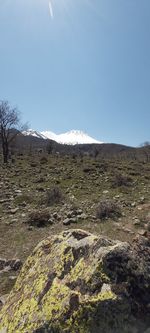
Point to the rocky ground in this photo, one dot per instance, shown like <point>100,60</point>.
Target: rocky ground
<point>43,195</point>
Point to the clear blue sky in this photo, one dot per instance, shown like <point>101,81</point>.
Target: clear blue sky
<point>86,65</point>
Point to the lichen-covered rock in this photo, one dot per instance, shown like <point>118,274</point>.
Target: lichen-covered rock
<point>80,283</point>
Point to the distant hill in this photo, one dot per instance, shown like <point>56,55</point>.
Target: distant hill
<point>33,144</point>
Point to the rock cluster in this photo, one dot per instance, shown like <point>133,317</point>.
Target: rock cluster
<point>73,216</point>
<point>8,265</point>
<point>76,282</point>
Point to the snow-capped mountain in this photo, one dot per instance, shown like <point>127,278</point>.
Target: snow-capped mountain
<point>49,135</point>
<point>70,138</point>
<point>31,132</point>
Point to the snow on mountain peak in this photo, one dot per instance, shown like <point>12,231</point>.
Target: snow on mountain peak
<point>34,133</point>
<point>70,138</point>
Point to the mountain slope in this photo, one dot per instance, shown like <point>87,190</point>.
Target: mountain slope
<point>34,133</point>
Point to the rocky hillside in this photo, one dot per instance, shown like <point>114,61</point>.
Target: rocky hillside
<point>43,194</point>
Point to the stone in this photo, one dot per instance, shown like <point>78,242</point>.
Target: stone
<point>133,204</point>
<point>142,200</point>
<point>12,277</point>
<point>50,221</point>
<point>83,216</point>
<point>56,216</point>
<point>14,220</point>
<point>148,226</point>
<point>148,217</point>
<point>10,264</point>
<point>74,219</point>
<point>136,221</point>
<point>3,299</point>
<point>23,215</point>
<point>18,191</point>
<point>30,228</point>
<point>142,232</point>
<point>3,201</point>
<point>2,263</point>
<point>127,230</point>
<point>105,192</point>
<point>14,210</point>
<point>76,282</point>
<point>66,221</point>
<point>79,211</point>
<point>23,204</point>
<point>72,213</point>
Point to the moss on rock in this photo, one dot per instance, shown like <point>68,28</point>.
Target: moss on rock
<point>66,285</point>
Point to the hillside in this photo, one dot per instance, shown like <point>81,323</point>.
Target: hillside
<point>33,144</point>
<point>44,194</point>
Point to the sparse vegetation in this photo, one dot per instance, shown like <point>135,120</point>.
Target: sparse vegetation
<point>121,180</point>
<point>108,209</point>
<point>62,187</point>
<point>38,218</point>
<point>54,196</point>
<point>43,160</point>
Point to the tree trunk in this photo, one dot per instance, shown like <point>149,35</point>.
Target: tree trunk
<point>5,152</point>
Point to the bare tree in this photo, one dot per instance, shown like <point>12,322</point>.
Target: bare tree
<point>145,144</point>
<point>9,126</point>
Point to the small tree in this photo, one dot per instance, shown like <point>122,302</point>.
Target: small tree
<point>50,147</point>
<point>145,144</point>
<point>9,126</point>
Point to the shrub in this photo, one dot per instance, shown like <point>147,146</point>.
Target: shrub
<point>23,198</point>
<point>43,160</point>
<point>54,196</point>
<point>121,180</point>
<point>88,169</point>
<point>107,209</point>
<point>33,164</point>
<point>39,218</point>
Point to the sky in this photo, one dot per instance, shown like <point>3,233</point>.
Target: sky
<point>78,64</point>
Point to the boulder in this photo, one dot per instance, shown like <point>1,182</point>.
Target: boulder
<point>76,282</point>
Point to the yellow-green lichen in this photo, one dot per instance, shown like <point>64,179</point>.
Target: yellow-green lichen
<point>78,270</point>
<point>63,259</point>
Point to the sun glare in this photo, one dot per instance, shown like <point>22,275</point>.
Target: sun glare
<point>66,6</point>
